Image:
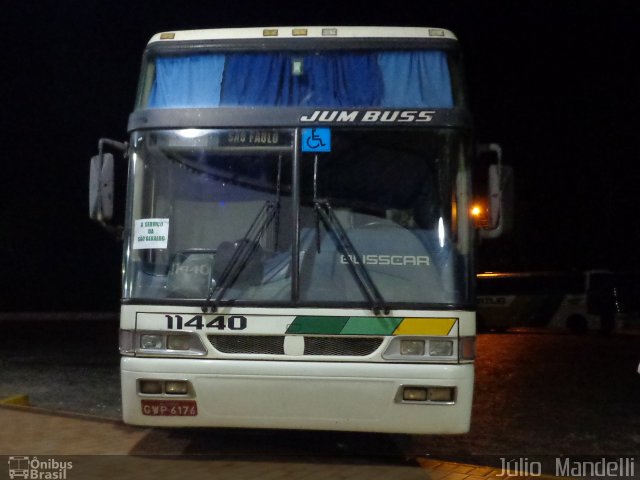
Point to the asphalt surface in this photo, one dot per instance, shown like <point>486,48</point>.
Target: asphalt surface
<point>62,364</point>
<point>70,446</point>
<point>537,393</point>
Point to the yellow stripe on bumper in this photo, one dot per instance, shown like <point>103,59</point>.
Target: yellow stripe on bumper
<point>425,326</point>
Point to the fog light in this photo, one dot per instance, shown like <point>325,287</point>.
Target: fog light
<point>151,342</point>
<point>412,347</point>
<point>440,348</point>
<point>414,394</point>
<point>178,342</point>
<point>150,387</point>
<point>441,394</point>
<point>176,388</point>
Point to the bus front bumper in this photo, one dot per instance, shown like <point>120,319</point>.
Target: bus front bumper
<point>297,395</point>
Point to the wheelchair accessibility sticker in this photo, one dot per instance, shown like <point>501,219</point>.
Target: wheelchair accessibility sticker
<point>316,139</point>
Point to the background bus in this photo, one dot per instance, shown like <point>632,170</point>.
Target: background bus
<point>579,301</point>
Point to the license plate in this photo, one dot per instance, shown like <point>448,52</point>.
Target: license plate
<point>170,408</point>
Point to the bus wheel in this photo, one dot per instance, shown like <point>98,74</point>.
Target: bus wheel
<point>577,324</point>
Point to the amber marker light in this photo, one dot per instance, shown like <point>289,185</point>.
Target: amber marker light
<point>479,215</point>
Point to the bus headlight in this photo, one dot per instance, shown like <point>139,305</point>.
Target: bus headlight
<point>151,342</point>
<point>170,344</point>
<point>412,347</point>
<point>179,342</point>
<point>440,348</point>
<point>423,349</point>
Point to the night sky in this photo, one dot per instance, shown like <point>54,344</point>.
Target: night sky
<point>556,83</point>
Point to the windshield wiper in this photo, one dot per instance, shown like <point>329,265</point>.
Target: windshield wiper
<point>324,213</point>
<point>332,224</point>
<point>245,248</point>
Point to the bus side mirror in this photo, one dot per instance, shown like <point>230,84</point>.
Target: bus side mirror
<point>101,188</point>
<point>498,217</point>
<point>101,185</point>
<point>500,201</point>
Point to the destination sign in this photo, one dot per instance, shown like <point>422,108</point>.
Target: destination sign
<point>256,138</point>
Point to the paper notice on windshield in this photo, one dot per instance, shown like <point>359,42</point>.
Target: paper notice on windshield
<point>151,233</point>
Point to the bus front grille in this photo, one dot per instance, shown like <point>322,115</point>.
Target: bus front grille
<point>251,344</point>
<point>313,346</point>
<point>336,346</point>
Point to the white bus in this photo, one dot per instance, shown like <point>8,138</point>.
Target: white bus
<point>574,300</point>
<point>298,251</point>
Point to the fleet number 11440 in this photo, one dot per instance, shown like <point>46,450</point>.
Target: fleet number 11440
<point>221,322</point>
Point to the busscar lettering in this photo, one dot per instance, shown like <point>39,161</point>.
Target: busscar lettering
<point>369,116</point>
<point>389,260</point>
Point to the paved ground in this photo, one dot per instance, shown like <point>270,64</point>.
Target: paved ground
<point>537,394</point>
<point>107,449</point>
<point>586,389</point>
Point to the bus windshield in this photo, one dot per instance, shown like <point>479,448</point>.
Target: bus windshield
<point>221,214</point>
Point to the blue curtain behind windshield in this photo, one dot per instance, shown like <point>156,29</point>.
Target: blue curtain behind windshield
<point>341,80</point>
<point>329,79</point>
<point>261,79</point>
<point>189,81</point>
<point>416,79</point>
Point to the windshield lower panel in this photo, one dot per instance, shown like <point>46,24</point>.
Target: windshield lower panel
<point>216,216</point>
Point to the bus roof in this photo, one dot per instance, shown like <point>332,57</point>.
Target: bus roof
<point>303,32</point>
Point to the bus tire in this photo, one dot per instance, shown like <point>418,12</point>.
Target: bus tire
<point>577,324</point>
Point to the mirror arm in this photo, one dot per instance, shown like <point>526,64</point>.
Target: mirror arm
<point>493,232</point>
<point>121,146</point>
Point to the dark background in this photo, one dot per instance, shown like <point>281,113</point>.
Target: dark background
<point>554,82</point>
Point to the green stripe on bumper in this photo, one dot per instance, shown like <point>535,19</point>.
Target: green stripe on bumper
<point>318,325</point>
<point>371,326</point>
<point>321,325</point>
